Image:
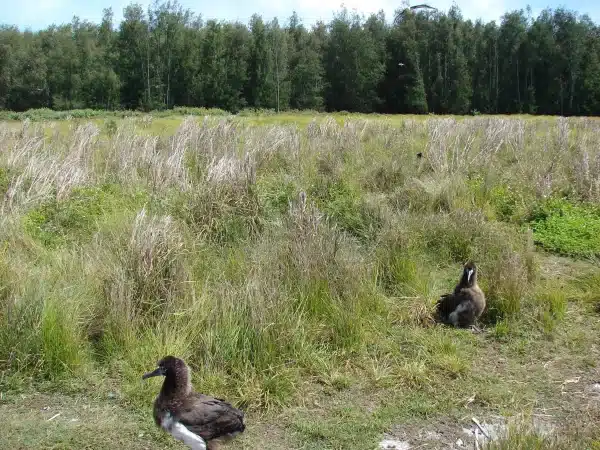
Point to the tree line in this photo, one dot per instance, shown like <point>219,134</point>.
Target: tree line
<point>420,62</point>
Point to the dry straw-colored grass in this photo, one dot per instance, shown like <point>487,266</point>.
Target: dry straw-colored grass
<point>271,249</point>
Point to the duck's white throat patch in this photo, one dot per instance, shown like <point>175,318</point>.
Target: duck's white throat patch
<point>181,433</point>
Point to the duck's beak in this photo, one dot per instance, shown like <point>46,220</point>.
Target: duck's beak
<point>155,373</point>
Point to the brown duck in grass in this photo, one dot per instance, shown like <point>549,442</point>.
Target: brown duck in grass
<point>465,305</point>
<point>199,421</point>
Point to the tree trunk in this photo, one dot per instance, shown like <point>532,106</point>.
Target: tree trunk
<point>148,65</point>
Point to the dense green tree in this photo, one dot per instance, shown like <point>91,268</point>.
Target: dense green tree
<point>353,66</point>
<point>421,62</point>
<point>481,65</point>
<point>512,66</point>
<point>459,83</point>
<point>29,86</point>
<point>102,85</point>
<point>237,52</point>
<point>305,66</point>
<point>167,24</point>
<point>214,69</point>
<point>258,88</point>
<point>590,89</point>
<point>546,78</point>
<point>279,76</point>
<point>10,43</point>
<point>133,61</point>
<point>404,87</point>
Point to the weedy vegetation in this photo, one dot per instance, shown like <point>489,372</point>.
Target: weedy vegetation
<point>295,268</point>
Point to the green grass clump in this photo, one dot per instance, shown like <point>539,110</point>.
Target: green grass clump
<point>552,303</point>
<point>567,228</point>
<point>5,178</point>
<point>343,202</point>
<point>432,194</point>
<point>274,194</point>
<point>224,214</point>
<point>507,202</point>
<point>41,328</point>
<point>63,344</point>
<point>56,222</point>
<point>522,438</point>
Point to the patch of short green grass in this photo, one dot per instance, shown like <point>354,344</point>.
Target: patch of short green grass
<point>56,222</point>
<point>567,228</point>
<point>520,438</point>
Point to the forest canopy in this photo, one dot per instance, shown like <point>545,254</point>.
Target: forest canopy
<point>415,62</point>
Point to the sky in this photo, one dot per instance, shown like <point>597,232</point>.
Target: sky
<point>39,14</point>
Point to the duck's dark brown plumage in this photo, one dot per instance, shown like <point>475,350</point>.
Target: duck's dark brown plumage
<point>466,303</point>
<point>208,417</point>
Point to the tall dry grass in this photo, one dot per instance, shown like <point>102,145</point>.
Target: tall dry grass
<point>268,256</point>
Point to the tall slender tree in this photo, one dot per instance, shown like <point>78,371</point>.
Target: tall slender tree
<point>305,66</point>
<point>405,89</point>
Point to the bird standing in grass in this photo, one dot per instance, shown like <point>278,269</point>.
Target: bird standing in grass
<point>465,305</point>
<point>199,421</point>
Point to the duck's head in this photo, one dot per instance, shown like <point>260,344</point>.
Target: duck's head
<point>469,277</point>
<point>170,367</point>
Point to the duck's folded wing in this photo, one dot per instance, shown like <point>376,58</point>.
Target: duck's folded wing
<point>211,417</point>
<point>446,305</point>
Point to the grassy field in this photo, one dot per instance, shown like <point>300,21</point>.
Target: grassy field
<point>294,261</point>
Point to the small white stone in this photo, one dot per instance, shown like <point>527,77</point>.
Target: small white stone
<point>432,435</point>
<point>390,444</point>
<point>460,443</point>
